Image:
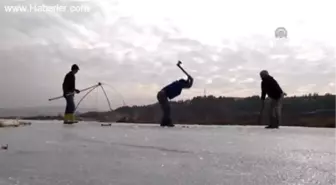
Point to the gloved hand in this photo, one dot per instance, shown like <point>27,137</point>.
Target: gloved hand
<point>77,91</point>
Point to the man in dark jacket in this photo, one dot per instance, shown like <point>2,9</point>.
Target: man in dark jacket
<point>270,87</point>
<point>69,90</point>
<point>169,92</point>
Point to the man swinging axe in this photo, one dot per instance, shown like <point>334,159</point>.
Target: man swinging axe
<point>69,90</point>
<point>169,92</point>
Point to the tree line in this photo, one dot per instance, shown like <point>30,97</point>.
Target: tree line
<point>310,110</point>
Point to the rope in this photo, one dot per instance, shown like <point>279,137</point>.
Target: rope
<point>122,98</point>
<point>97,100</point>
<point>108,101</point>
<point>95,87</point>
<point>84,97</point>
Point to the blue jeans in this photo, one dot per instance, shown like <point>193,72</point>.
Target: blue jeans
<point>70,104</point>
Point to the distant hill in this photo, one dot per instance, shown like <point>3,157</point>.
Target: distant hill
<point>35,111</point>
<point>309,110</point>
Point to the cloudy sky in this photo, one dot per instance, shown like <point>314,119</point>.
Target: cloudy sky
<point>133,45</point>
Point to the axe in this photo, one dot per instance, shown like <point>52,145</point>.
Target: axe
<point>179,65</point>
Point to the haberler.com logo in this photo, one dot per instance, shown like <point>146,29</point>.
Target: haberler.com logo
<point>42,8</point>
<point>281,32</point>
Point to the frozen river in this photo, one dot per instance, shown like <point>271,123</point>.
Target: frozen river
<point>50,153</point>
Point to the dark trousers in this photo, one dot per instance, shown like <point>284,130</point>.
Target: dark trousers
<point>70,104</point>
<point>275,114</point>
<point>165,107</point>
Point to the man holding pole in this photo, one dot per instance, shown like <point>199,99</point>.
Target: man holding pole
<point>69,90</point>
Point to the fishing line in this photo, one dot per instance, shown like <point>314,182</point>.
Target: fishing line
<point>84,97</point>
<point>108,101</point>
<point>105,94</point>
<point>97,100</point>
<point>122,98</point>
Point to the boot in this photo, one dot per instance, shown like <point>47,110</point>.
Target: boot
<point>73,118</point>
<point>66,119</point>
<point>271,127</point>
<point>272,124</point>
<point>166,123</point>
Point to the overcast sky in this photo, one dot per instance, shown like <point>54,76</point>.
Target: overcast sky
<point>134,46</point>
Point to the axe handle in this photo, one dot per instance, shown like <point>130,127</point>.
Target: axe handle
<point>183,70</point>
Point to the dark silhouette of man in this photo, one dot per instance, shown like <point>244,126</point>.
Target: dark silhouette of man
<point>69,90</point>
<point>169,92</point>
<point>271,88</point>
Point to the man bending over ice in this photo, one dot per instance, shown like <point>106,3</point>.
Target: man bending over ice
<point>169,92</point>
<point>270,87</point>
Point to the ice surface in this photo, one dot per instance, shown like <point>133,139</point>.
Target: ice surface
<point>50,153</point>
